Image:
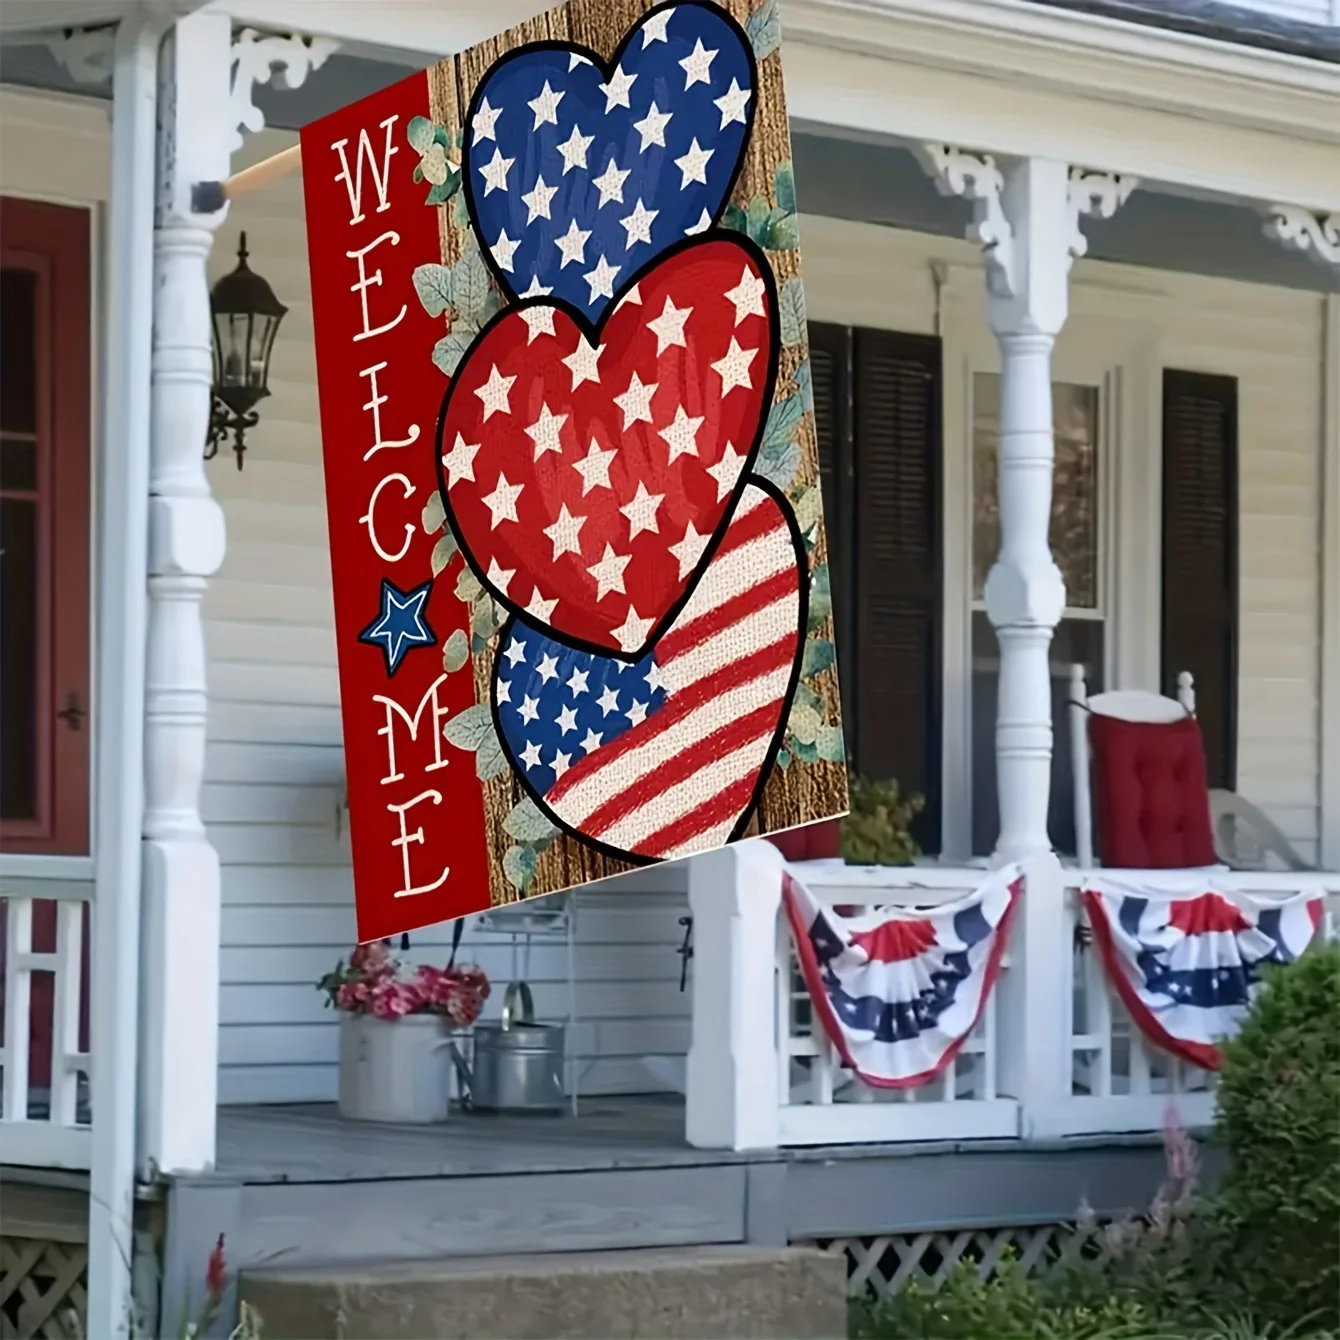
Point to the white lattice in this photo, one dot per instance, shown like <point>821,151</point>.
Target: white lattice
<point>42,1288</point>
<point>883,1265</point>
<point>51,1127</point>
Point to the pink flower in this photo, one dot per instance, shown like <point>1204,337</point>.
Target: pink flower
<point>372,960</point>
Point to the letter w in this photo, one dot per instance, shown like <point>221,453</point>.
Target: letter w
<point>353,182</point>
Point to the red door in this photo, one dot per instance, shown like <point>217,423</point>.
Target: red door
<point>44,557</point>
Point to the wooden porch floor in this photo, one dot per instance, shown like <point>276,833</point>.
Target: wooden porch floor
<point>312,1143</point>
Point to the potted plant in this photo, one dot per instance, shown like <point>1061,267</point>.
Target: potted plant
<point>394,1021</point>
<point>878,828</point>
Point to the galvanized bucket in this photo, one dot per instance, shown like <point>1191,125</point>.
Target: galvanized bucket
<point>518,1063</point>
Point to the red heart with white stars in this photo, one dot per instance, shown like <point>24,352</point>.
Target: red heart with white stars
<point>589,473</point>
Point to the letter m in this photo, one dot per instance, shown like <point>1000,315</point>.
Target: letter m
<point>381,177</point>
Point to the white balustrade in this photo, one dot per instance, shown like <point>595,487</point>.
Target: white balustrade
<point>821,1101</point>
<point>1054,1054</point>
<point>44,1126</point>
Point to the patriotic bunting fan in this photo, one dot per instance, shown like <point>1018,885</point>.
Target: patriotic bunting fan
<point>1187,967</point>
<point>898,992</point>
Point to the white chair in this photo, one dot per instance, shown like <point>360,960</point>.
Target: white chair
<point>1125,705</point>
<point>1246,839</point>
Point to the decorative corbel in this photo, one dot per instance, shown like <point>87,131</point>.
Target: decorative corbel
<point>1299,229</point>
<point>975,177</point>
<point>281,60</point>
<point>1095,195</point>
<point>85,54</point>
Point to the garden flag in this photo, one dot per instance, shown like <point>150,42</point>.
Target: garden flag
<point>1186,966</point>
<point>898,991</point>
<point>581,595</point>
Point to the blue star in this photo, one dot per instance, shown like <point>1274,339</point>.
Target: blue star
<point>401,625</point>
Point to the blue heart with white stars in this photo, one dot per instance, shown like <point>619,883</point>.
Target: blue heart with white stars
<point>578,173</point>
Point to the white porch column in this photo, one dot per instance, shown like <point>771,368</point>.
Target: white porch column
<point>1027,220</point>
<point>181,891</point>
<point>733,1070</point>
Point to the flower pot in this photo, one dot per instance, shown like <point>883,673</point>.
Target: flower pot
<point>394,1070</point>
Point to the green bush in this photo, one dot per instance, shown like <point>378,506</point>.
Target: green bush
<point>1279,1121</point>
<point>878,830</point>
<point>1012,1306</point>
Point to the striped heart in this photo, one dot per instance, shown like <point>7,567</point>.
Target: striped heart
<point>666,756</point>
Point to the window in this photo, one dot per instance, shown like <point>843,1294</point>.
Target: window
<point>1076,548</point>
<point>1200,556</point>
<point>44,529</point>
<point>877,411</point>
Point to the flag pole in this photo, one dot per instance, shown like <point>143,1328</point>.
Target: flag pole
<point>208,197</point>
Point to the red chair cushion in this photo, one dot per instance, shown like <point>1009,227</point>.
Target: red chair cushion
<point>1151,803</point>
<point>814,842</point>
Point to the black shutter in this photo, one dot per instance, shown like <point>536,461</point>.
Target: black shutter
<point>830,366</point>
<point>1200,555</point>
<point>897,454</point>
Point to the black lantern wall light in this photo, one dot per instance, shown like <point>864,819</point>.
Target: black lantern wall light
<point>246,317</point>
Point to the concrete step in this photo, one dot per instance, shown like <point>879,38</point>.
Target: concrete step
<point>681,1293</point>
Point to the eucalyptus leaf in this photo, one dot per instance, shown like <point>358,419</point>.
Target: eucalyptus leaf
<point>456,652</point>
<point>818,656</point>
<point>735,218</point>
<point>809,508</point>
<point>434,515</point>
<point>443,191</point>
<point>519,867</point>
<point>490,761</point>
<point>450,349</point>
<point>806,753</point>
<point>784,187</point>
<point>433,285</point>
<point>757,219</point>
<point>780,465</point>
<point>470,286</point>
<point>805,694</point>
<point>821,596</point>
<point>831,745</point>
<point>435,166</point>
<point>421,133</point>
<point>783,232</point>
<point>783,759</point>
<point>526,823</point>
<point>443,551</point>
<point>783,422</point>
<point>764,29</point>
<point>469,728</point>
<point>418,173</point>
<point>804,379</point>
<point>791,311</point>
<point>492,306</point>
<point>803,723</point>
<point>442,137</point>
<point>468,588</point>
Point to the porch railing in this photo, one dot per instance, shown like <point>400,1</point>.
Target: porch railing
<point>45,1066</point>
<point>821,1102</point>
<point>1055,1053</point>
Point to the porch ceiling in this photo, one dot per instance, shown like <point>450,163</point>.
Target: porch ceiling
<point>35,15</point>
